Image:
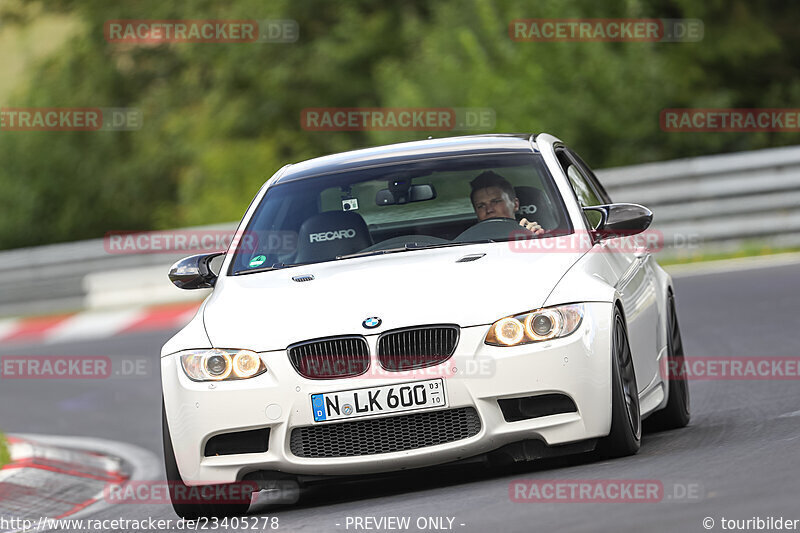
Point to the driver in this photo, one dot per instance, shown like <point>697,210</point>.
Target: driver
<point>494,197</point>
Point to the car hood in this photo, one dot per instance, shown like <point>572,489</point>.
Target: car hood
<point>269,310</point>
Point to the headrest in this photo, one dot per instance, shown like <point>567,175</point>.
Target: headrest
<point>331,233</point>
<point>535,206</point>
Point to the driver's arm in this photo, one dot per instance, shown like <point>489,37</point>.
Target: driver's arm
<point>532,226</point>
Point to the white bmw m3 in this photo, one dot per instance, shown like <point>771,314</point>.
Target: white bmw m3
<point>414,305</point>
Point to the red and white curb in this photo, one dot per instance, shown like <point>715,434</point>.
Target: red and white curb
<point>58,477</point>
<point>94,324</point>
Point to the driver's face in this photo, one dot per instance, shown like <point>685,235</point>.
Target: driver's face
<point>492,202</point>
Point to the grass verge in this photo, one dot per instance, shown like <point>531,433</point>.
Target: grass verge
<point>747,251</point>
<point>5,457</point>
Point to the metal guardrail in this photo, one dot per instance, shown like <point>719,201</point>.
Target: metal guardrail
<point>721,201</point>
<point>715,202</point>
<point>52,278</point>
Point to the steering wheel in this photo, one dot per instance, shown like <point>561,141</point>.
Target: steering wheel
<point>492,228</point>
<point>497,219</point>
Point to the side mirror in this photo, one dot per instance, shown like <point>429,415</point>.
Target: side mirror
<point>620,220</point>
<point>194,272</point>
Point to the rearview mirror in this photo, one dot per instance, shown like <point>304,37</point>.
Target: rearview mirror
<point>414,193</point>
<point>194,272</point>
<point>620,220</point>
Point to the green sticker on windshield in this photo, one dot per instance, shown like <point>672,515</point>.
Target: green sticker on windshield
<point>257,260</point>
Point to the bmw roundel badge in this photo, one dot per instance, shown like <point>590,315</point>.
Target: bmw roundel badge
<point>372,322</point>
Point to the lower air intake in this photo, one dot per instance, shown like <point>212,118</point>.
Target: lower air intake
<point>516,409</point>
<point>385,435</point>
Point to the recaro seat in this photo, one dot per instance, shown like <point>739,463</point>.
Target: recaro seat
<point>331,233</point>
<point>535,206</point>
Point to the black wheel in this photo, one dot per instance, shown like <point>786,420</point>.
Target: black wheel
<point>196,502</point>
<point>676,414</point>
<point>625,437</point>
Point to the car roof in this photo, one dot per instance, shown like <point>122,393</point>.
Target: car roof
<point>408,151</point>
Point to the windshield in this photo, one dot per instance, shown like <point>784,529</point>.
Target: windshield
<point>402,207</point>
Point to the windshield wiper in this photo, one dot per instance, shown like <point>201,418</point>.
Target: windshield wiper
<point>274,266</point>
<point>411,246</point>
<point>405,248</point>
<point>418,246</point>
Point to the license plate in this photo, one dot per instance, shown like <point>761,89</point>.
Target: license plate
<point>378,400</point>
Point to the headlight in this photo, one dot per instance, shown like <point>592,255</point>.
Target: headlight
<point>218,365</point>
<point>508,331</point>
<point>536,326</point>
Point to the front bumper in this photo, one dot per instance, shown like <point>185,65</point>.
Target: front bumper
<point>477,376</point>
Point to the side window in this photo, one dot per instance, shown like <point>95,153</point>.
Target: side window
<point>586,196</point>
<point>592,179</point>
<point>583,190</point>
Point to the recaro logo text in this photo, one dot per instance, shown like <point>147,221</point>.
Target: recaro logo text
<point>331,235</point>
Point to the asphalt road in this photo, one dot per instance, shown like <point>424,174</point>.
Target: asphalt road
<point>738,458</point>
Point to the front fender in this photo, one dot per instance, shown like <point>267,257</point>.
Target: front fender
<point>590,279</point>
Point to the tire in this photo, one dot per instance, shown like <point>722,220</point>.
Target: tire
<point>677,412</point>
<point>191,511</point>
<point>625,437</point>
